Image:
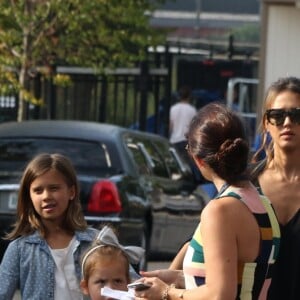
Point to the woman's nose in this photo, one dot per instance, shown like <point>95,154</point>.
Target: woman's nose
<point>287,120</point>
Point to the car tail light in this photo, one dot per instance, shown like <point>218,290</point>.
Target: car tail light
<point>104,198</point>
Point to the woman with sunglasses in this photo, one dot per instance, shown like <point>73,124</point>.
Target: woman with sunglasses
<point>236,242</point>
<point>279,179</point>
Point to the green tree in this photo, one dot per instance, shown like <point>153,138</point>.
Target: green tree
<point>35,35</point>
<point>247,33</point>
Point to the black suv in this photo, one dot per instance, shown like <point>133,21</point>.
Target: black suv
<point>133,180</point>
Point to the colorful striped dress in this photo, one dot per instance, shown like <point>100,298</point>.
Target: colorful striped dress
<point>254,278</point>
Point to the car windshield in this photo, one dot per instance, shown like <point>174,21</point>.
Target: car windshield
<point>85,155</point>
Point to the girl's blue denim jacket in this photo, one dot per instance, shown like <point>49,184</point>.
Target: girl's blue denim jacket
<point>28,265</point>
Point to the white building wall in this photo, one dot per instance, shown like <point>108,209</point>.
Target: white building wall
<point>282,43</point>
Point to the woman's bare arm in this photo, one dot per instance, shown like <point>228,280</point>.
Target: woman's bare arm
<point>177,262</point>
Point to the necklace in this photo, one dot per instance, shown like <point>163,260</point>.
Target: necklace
<point>223,188</point>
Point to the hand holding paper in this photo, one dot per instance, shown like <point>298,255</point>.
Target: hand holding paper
<point>117,294</point>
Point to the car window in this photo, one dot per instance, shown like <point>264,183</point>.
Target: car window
<point>149,155</point>
<point>159,167</point>
<point>169,159</point>
<point>139,158</point>
<point>15,153</point>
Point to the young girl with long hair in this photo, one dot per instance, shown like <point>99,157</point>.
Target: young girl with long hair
<point>49,236</point>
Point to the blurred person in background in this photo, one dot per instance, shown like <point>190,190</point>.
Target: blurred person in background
<point>181,114</point>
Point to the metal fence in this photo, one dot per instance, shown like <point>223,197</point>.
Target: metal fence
<point>8,108</point>
<point>132,97</point>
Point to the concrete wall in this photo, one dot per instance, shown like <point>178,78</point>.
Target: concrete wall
<point>280,43</point>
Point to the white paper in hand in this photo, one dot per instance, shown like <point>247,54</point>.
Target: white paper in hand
<point>117,294</point>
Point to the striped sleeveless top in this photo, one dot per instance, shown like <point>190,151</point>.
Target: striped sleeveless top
<point>254,278</point>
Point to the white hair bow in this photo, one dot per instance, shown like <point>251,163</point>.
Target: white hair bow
<point>107,237</point>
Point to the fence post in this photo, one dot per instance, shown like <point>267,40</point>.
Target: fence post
<point>103,99</point>
<point>52,104</point>
<point>167,104</point>
<point>156,90</point>
<point>144,77</point>
<point>37,94</point>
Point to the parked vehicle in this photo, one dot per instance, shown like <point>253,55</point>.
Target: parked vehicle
<point>133,180</point>
<point>241,97</point>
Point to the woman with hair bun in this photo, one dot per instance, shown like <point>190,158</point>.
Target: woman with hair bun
<point>236,242</point>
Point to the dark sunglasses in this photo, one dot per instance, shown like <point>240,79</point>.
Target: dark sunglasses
<point>277,116</point>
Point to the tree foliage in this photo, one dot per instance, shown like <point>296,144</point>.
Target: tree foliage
<point>247,33</point>
<point>35,35</point>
